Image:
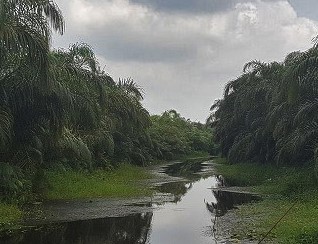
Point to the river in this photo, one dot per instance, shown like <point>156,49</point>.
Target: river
<point>189,215</point>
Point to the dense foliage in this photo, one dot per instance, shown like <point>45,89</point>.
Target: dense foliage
<point>59,108</point>
<point>173,135</point>
<point>269,113</point>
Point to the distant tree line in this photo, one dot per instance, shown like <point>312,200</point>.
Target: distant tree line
<point>173,136</point>
<point>58,107</point>
<point>270,113</point>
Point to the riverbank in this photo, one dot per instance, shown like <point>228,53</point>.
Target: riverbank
<point>179,195</point>
<point>122,182</point>
<point>10,214</point>
<point>283,189</point>
<point>126,182</point>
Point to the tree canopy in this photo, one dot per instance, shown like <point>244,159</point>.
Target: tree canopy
<point>59,107</point>
<point>268,114</point>
<point>173,135</point>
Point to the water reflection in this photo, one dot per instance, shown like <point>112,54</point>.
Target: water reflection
<point>226,200</point>
<point>177,189</point>
<point>188,172</point>
<point>185,221</point>
<point>188,219</point>
<point>132,229</point>
<point>185,170</point>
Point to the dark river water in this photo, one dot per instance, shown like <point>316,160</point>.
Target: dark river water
<point>188,218</point>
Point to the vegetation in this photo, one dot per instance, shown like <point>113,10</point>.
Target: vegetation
<point>267,118</point>
<point>122,182</point>
<point>10,214</point>
<point>174,136</point>
<point>268,113</point>
<point>60,110</point>
<point>281,188</point>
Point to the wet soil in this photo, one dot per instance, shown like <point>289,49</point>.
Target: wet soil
<point>74,210</point>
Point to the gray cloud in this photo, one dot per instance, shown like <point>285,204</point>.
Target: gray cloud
<point>192,6</point>
<point>125,45</point>
<point>182,59</point>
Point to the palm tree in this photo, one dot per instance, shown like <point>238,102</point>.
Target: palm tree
<point>240,118</point>
<point>27,105</point>
<point>25,33</point>
<point>106,116</point>
<point>269,113</point>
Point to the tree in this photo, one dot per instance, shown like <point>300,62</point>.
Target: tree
<point>267,114</point>
<point>173,135</point>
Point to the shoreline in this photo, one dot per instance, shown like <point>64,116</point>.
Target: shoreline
<point>252,221</point>
<point>83,208</point>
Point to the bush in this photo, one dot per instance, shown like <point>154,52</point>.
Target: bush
<point>173,135</point>
<point>10,181</point>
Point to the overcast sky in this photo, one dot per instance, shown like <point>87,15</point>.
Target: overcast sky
<point>182,52</point>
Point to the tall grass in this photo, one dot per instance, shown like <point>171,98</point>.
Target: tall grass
<point>270,179</point>
<point>9,215</point>
<point>122,182</point>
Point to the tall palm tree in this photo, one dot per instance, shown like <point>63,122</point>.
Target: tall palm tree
<point>25,30</point>
<point>27,102</point>
<point>269,113</point>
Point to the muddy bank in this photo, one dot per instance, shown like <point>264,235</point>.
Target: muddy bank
<point>74,210</point>
<point>234,223</point>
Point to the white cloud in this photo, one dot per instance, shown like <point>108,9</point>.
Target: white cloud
<point>181,59</point>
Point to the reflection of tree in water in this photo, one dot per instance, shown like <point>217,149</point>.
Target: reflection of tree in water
<point>177,189</point>
<point>131,229</point>
<point>186,170</point>
<point>226,200</point>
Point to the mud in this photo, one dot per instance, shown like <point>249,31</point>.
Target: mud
<point>74,210</point>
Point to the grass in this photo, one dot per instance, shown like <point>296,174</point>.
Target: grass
<point>246,174</point>
<point>281,187</point>
<point>299,225</point>
<point>125,181</point>
<point>9,215</point>
<point>122,182</point>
